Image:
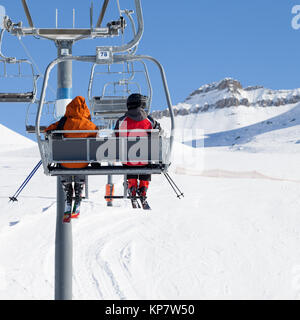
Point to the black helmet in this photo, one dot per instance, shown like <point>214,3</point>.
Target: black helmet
<point>136,100</point>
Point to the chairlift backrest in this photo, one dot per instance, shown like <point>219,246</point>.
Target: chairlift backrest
<point>152,148</point>
<point>112,105</point>
<point>109,107</point>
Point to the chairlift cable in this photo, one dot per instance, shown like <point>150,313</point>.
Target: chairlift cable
<point>29,56</point>
<point>119,8</point>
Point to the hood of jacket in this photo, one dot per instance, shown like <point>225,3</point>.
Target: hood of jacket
<point>78,108</point>
<point>137,114</point>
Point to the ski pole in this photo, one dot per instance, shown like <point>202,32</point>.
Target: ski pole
<point>173,187</point>
<point>15,196</point>
<point>178,192</point>
<point>17,193</point>
<point>26,180</point>
<point>29,177</point>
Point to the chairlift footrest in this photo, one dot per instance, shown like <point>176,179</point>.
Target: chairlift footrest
<point>17,97</point>
<point>120,197</point>
<point>31,129</point>
<point>105,170</point>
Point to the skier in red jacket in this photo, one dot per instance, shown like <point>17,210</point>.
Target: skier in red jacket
<point>137,118</point>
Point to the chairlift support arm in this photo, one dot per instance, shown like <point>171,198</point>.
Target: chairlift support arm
<point>102,13</point>
<point>26,9</point>
<point>78,34</point>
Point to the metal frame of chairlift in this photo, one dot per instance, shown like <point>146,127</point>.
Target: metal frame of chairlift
<point>17,97</point>
<point>110,108</point>
<point>30,125</point>
<point>85,149</point>
<point>110,58</point>
<point>75,34</point>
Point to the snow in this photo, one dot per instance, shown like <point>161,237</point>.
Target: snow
<point>11,141</point>
<point>227,119</point>
<point>234,235</point>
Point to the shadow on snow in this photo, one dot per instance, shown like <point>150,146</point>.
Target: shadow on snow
<point>244,135</point>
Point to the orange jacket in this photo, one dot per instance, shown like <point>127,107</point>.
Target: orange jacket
<point>78,118</point>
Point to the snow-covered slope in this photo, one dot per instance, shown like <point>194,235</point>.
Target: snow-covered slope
<point>11,141</point>
<point>234,235</point>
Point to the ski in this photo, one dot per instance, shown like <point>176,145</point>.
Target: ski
<point>134,203</point>
<point>133,199</point>
<point>67,213</point>
<point>76,210</point>
<point>145,204</point>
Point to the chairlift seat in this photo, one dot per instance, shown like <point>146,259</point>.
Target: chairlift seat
<point>109,106</point>
<point>26,97</point>
<point>104,150</point>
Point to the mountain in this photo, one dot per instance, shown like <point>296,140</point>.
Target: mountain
<point>230,93</point>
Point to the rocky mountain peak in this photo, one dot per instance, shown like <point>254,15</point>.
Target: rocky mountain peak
<point>230,93</point>
<point>228,84</point>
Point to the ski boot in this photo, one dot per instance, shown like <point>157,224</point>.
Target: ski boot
<point>78,187</point>
<point>109,192</point>
<point>68,189</point>
<point>142,192</point>
<point>132,190</point>
<point>67,213</point>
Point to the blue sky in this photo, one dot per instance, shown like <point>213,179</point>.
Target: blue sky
<point>197,42</point>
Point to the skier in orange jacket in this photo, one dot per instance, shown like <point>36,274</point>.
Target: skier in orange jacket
<point>77,117</point>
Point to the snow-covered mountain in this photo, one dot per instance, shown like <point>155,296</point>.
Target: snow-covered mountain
<point>230,93</point>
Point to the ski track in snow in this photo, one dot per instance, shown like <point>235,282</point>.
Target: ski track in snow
<point>229,174</point>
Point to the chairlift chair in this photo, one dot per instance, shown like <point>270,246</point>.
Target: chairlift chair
<point>156,146</point>
<point>17,97</point>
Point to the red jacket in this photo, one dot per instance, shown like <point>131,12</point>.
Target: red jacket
<point>132,120</point>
